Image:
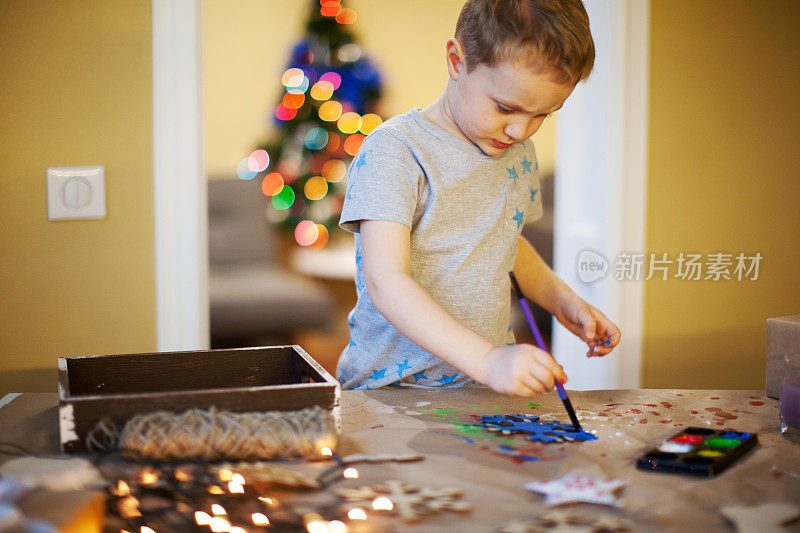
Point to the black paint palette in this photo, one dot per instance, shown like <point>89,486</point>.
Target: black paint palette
<point>699,452</point>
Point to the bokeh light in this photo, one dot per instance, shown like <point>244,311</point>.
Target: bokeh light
<point>369,122</point>
<point>316,188</point>
<point>293,101</point>
<point>349,122</point>
<point>349,53</point>
<point>357,513</point>
<point>337,526</point>
<point>333,142</point>
<point>260,519</point>
<point>353,143</point>
<point>258,160</point>
<point>334,170</point>
<point>243,170</point>
<point>298,88</point>
<point>316,138</point>
<point>322,90</point>
<point>292,77</point>
<point>284,113</point>
<point>284,199</point>
<point>322,240</point>
<point>330,8</point>
<point>346,16</point>
<point>332,77</point>
<point>306,233</point>
<point>272,184</point>
<point>330,111</point>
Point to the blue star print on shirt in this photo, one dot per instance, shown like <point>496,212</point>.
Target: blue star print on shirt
<point>446,380</point>
<point>512,174</point>
<point>420,375</point>
<point>533,193</point>
<point>519,216</point>
<point>526,165</point>
<point>361,161</point>
<point>358,257</point>
<point>402,367</point>
<point>378,374</point>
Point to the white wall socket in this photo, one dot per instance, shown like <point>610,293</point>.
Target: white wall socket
<point>76,192</point>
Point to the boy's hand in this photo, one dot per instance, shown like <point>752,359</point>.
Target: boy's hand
<point>521,370</point>
<point>589,324</point>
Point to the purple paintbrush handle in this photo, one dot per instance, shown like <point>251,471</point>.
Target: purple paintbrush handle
<point>539,340</point>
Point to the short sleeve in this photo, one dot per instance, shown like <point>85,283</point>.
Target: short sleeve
<point>381,183</point>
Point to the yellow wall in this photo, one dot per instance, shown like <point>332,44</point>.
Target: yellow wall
<point>248,43</point>
<point>75,90</point>
<point>724,177</point>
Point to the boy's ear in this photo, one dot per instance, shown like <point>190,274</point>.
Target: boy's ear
<point>454,55</point>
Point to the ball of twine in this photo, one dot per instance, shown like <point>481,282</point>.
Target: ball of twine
<point>215,434</point>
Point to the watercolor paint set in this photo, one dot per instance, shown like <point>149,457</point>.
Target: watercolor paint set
<point>698,451</point>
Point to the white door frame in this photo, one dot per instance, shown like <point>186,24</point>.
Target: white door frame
<point>601,188</point>
<point>179,177</point>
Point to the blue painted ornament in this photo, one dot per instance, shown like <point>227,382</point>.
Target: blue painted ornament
<point>534,430</point>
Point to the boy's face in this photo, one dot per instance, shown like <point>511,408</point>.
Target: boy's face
<point>503,104</point>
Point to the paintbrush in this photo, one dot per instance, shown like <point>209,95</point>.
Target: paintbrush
<point>540,341</point>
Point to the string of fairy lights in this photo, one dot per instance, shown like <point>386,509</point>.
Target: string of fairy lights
<point>324,114</point>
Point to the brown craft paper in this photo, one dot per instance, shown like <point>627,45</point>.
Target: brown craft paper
<point>419,421</point>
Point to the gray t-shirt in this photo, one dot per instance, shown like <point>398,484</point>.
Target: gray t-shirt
<point>465,211</point>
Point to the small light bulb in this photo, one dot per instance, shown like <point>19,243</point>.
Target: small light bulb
<point>357,513</point>
<point>149,477</point>
<point>238,478</point>
<point>182,475</point>
<point>260,519</point>
<point>225,474</point>
<point>317,526</point>
<point>382,503</point>
<point>235,488</point>
<point>350,473</point>
<point>122,488</point>
<point>325,451</point>
<point>202,519</point>
<point>336,526</point>
<point>217,509</point>
<point>219,524</point>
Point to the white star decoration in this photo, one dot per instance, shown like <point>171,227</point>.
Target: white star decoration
<point>577,487</point>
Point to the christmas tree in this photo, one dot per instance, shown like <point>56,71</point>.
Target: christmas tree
<point>327,107</point>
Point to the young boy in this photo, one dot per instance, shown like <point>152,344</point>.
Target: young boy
<point>437,199</point>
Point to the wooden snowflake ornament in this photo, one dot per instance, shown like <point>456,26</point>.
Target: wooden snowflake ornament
<point>563,521</point>
<point>408,501</point>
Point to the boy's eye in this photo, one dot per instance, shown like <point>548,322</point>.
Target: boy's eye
<point>502,109</point>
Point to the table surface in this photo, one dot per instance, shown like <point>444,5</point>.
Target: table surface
<point>437,424</point>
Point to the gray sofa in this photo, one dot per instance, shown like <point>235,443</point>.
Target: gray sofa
<point>254,299</point>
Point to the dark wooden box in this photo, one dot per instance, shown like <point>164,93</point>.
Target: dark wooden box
<point>272,378</point>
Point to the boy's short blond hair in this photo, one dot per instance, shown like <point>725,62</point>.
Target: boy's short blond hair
<point>552,34</point>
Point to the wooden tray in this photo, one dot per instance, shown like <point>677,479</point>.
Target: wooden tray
<point>271,378</point>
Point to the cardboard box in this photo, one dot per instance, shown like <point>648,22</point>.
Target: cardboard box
<point>783,341</point>
<point>272,378</point>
